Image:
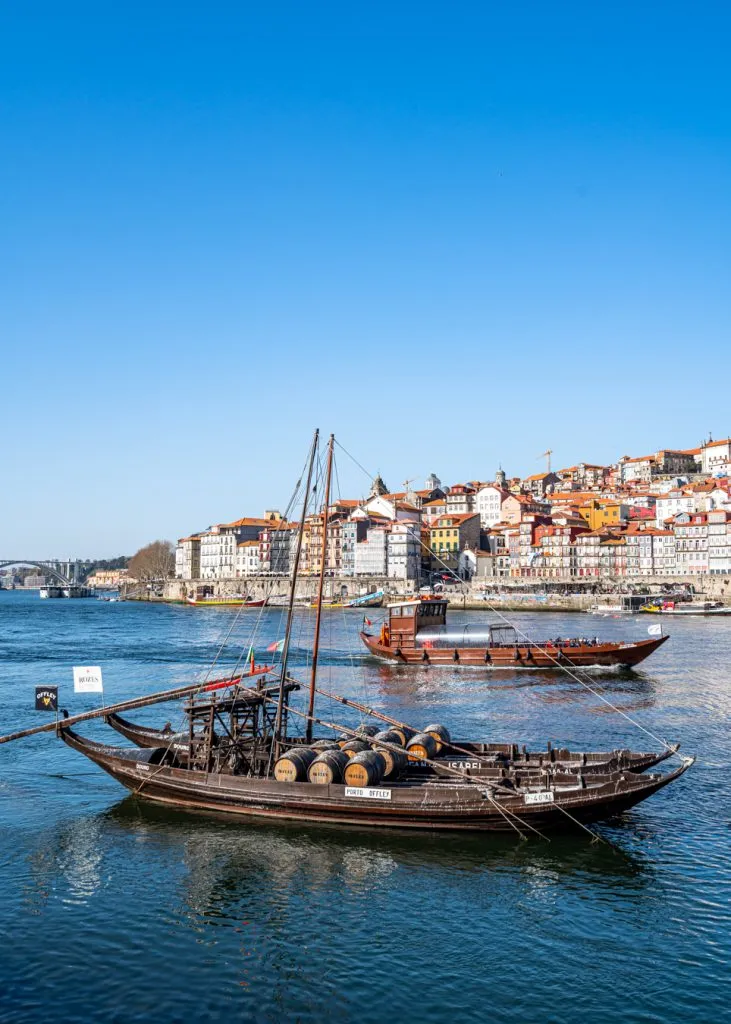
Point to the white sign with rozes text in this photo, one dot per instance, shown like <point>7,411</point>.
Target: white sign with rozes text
<point>88,679</point>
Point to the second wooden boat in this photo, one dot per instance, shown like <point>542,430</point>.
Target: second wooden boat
<point>416,634</point>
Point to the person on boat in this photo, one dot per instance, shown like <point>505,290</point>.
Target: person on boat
<point>385,637</point>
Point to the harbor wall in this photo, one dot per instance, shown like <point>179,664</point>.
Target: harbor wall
<point>507,594</point>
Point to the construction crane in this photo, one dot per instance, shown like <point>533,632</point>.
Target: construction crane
<point>547,455</point>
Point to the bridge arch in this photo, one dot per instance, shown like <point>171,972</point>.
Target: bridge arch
<point>45,568</point>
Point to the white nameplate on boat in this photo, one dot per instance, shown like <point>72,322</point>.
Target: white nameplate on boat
<point>538,798</point>
<point>374,794</point>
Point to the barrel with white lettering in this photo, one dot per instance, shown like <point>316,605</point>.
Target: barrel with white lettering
<point>292,766</point>
<point>422,746</point>
<point>365,769</point>
<point>328,767</point>
<point>440,734</point>
<point>356,746</point>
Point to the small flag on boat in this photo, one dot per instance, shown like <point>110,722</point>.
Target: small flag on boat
<point>367,622</point>
<point>46,698</point>
<point>655,630</point>
<point>278,645</point>
<point>250,659</point>
<point>88,679</point>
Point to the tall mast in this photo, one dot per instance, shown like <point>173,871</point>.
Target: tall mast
<point>290,609</point>
<point>323,556</point>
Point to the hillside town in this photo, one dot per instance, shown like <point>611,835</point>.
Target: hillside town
<point>666,514</point>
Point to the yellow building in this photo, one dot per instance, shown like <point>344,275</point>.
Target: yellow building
<point>450,534</point>
<point>602,513</point>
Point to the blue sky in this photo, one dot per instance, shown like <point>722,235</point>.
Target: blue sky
<point>455,235</point>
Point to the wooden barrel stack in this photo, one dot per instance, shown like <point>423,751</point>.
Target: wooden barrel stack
<point>360,761</point>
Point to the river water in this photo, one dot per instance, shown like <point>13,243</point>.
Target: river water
<point>114,910</point>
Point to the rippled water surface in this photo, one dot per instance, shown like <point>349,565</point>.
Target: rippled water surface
<point>113,910</point>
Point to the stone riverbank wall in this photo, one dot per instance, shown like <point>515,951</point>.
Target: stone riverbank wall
<point>507,594</point>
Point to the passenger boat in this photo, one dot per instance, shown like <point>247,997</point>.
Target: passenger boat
<point>416,634</point>
<point>686,608</point>
<point>240,754</point>
<point>225,602</point>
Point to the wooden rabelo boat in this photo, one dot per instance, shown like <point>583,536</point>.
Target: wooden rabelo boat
<point>240,753</point>
<point>453,803</point>
<point>416,633</point>
<point>225,602</point>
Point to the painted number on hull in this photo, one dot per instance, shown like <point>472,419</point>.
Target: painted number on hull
<point>538,798</point>
<point>374,794</point>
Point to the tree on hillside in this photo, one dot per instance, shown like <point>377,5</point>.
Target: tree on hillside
<point>153,563</point>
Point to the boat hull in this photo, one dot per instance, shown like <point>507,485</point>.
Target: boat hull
<point>431,807</point>
<point>523,656</point>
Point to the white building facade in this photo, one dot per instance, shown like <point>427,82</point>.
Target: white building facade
<point>404,551</point>
<point>488,503</point>
<point>371,554</point>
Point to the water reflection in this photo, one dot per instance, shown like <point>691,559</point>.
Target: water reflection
<point>226,859</point>
<point>72,857</point>
<point>627,689</point>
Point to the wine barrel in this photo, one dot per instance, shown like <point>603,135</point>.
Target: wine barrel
<point>423,745</point>
<point>355,746</point>
<point>365,769</point>
<point>405,733</point>
<point>394,736</point>
<point>440,734</point>
<point>367,730</point>
<point>395,762</point>
<point>292,766</point>
<point>326,745</point>
<point>328,767</point>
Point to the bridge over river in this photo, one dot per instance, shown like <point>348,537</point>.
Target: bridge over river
<point>65,573</point>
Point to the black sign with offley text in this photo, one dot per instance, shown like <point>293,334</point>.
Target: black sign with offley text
<point>46,698</point>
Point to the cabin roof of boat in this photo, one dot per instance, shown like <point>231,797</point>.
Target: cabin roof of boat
<point>427,599</point>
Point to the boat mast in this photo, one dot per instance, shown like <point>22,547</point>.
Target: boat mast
<point>323,556</point>
<point>290,609</point>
